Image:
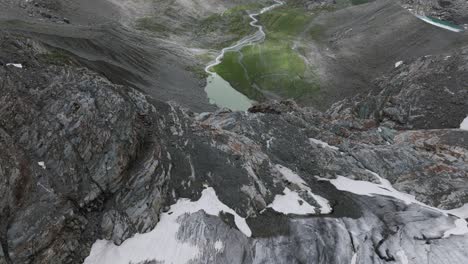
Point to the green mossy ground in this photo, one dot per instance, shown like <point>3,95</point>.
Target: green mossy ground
<point>274,66</point>
<point>233,22</point>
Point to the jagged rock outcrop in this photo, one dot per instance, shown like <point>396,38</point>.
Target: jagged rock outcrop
<point>72,142</point>
<point>429,92</point>
<point>85,160</point>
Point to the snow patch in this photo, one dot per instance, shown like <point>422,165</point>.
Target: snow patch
<point>17,65</point>
<point>461,228</point>
<point>219,245</point>
<point>42,164</point>
<point>321,143</point>
<point>371,189</point>
<point>290,175</point>
<point>398,64</point>
<point>291,203</point>
<point>269,141</point>
<point>464,124</point>
<point>402,257</point>
<point>386,189</point>
<point>354,259</point>
<point>287,173</point>
<point>162,243</point>
<point>461,212</point>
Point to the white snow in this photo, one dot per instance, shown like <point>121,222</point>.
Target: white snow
<point>461,212</point>
<point>290,175</point>
<point>17,65</point>
<point>402,257</point>
<point>386,189</point>
<point>354,258</point>
<point>42,164</point>
<point>371,189</point>
<point>291,203</point>
<point>427,20</point>
<point>269,141</point>
<point>287,173</point>
<point>161,243</point>
<point>321,143</point>
<point>460,228</point>
<point>219,245</point>
<point>464,124</point>
<point>398,64</point>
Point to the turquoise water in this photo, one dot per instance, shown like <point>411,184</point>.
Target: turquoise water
<point>446,23</point>
<point>221,93</point>
<point>441,23</point>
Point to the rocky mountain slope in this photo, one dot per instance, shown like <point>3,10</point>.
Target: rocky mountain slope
<point>454,10</point>
<point>85,159</point>
<point>429,92</point>
<point>98,167</point>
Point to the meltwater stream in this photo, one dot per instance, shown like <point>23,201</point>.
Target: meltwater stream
<point>219,91</point>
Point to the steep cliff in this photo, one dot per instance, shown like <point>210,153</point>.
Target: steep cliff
<point>97,172</point>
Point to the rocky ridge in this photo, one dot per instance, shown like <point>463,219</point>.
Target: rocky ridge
<point>87,159</point>
<point>450,10</point>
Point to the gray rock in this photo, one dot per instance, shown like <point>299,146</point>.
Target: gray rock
<point>85,159</point>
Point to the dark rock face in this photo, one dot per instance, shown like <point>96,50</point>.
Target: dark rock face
<point>429,92</point>
<point>84,159</point>
<point>71,141</point>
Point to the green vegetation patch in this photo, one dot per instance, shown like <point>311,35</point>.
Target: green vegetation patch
<point>234,22</point>
<point>198,70</point>
<point>285,22</point>
<point>274,65</point>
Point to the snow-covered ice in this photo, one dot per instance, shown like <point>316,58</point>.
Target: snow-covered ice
<point>162,244</point>
<point>371,189</point>
<point>459,229</point>
<point>402,257</point>
<point>219,245</point>
<point>386,189</point>
<point>461,212</point>
<point>354,258</point>
<point>291,203</point>
<point>17,65</point>
<point>464,124</point>
<point>292,177</point>
<point>289,175</point>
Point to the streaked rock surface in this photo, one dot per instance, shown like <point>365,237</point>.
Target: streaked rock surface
<point>116,160</point>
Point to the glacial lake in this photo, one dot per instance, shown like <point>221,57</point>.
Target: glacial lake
<point>221,93</point>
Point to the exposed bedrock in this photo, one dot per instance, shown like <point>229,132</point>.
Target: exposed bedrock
<point>429,92</point>
<point>89,168</point>
<point>86,159</point>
